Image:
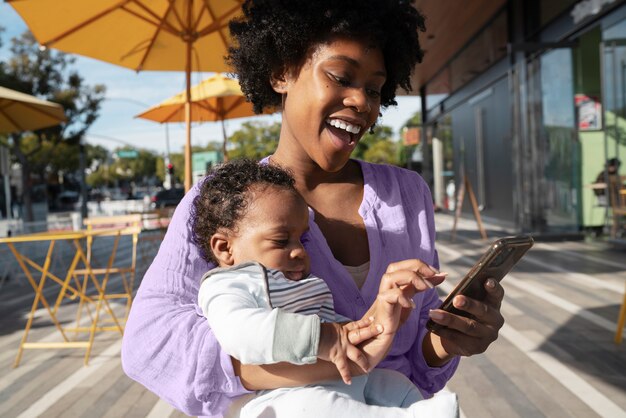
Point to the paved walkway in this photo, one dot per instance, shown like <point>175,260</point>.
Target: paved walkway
<point>555,356</point>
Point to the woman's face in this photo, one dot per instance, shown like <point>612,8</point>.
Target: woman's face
<point>332,102</point>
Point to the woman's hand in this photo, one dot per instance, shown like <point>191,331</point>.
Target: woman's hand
<point>394,302</point>
<point>464,336</point>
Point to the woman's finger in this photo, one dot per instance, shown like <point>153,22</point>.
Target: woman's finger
<point>495,293</point>
<point>412,264</point>
<point>358,334</point>
<point>481,311</point>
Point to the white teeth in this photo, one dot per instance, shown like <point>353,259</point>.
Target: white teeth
<point>354,129</point>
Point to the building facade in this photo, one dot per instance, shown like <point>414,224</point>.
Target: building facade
<point>531,103</point>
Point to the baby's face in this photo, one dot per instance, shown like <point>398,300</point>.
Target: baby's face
<point>270,232</point>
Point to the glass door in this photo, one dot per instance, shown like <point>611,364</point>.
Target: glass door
<point>556,152</point>
<point>613,55</point>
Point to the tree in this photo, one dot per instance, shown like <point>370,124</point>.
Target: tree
<point>254,140</point>
<point>47,74</point>
<point>415,120</point>
<point>378,147</point>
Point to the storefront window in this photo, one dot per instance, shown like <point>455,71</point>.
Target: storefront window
<point>559,157</point>
<point>614,84</point>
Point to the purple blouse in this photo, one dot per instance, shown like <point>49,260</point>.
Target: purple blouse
<point>169,348</point>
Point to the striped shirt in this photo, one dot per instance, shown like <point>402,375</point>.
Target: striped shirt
<point>309,296</point>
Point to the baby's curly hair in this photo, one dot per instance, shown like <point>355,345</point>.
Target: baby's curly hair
<point>274,35</point>
<point>225,197</point>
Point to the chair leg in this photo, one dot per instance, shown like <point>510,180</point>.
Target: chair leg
<point>621,320</point>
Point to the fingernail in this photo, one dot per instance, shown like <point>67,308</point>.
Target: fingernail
<point>371,318</point>
<point>379,328</point>
<point>436,270</point>
<point>435,314</point>
<point>491,283</point>
<point>442,274</point>
<point>412,303</point>
<point>459,302</point>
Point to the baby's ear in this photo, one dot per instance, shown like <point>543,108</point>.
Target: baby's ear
<point>220,245</point>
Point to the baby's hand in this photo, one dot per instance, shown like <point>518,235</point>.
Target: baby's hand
<point>335,346</point>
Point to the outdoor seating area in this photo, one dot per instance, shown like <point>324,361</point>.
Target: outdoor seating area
<point>90,271</point>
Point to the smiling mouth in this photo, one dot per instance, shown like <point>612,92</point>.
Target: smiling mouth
<point>341,124</point>
<point>346,131</point>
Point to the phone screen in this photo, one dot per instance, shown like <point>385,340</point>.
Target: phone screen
<point>499,259</point>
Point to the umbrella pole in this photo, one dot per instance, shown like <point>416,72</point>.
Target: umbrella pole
<point>225,139</point>
<point>188,120</point>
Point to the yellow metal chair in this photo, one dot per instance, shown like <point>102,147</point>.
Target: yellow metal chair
<point>115,227</point>
<point>617,199</point>
<point>154,227</point>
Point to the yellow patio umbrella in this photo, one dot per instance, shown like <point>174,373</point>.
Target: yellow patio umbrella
<point>23,112</point>
<point>215,99</point>
<point>162,35</point>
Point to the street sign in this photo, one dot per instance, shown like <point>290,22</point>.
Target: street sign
<point>127,153</point>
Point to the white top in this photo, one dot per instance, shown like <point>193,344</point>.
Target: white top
<point>261,317</point>
<point>359,273</point>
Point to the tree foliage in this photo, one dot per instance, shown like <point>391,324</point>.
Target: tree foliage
<point>378,147</point>
<point>48,75</point>
<point>254,140</point>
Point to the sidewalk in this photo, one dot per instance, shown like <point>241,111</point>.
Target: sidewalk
<point>555,356</point>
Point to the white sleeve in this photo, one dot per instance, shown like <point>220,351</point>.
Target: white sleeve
<point>248,329</point>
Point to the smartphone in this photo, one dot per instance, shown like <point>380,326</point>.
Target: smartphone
<point>497,261</point>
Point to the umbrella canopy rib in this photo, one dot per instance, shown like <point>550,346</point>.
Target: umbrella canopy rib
<point>153,39</point>
<point>82,24</point>
<point>220,22</point>
<point>158,20</point>
<point>16,126</point>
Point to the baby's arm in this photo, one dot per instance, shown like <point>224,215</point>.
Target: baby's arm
<point>246,326</point>
<point>249,330</point>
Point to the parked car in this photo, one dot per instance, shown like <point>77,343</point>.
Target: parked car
<point>167,197</point>
<point>68,200</point>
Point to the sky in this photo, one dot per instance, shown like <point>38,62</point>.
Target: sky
<point>129,93</point>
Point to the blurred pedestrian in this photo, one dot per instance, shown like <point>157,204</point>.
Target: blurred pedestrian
<point>610,177</point>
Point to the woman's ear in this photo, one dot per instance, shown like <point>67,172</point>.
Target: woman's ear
<point>220,245</point>
<point>278,80</point>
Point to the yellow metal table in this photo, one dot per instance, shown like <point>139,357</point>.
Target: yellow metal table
<point>69,286</point>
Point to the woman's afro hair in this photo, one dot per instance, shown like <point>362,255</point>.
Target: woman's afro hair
<point>275,35</point>
<point>225,195</point>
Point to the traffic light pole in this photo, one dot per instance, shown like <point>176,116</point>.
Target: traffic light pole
<point>168,177</point>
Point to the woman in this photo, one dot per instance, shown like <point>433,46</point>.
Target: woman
<point>330,66</point>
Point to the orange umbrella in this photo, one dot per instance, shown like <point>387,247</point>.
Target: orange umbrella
<point>215,99</point>
<point>165,35</point>
<point>23,112</point>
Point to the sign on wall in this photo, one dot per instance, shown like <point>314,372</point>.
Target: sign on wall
<point>589,112</point>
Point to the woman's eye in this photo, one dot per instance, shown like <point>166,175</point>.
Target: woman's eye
<point>340,80</point>
<point>281,242</point>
